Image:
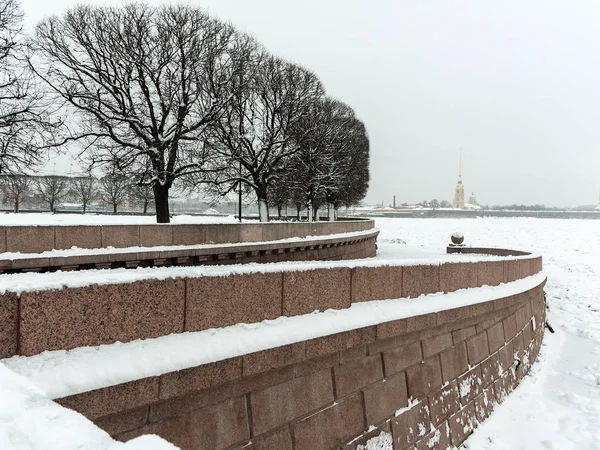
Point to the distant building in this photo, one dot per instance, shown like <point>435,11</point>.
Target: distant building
<point>459,192</point>
<point>472,199</point>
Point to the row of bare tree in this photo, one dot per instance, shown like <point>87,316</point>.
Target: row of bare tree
<point>51,191</point>
<point>168,93</point>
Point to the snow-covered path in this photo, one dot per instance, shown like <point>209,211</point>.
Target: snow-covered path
<point>558,405</point>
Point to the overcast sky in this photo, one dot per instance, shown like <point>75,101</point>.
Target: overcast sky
<point>512,83</point>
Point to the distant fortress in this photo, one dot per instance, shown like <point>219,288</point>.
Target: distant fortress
<point>459,191</point>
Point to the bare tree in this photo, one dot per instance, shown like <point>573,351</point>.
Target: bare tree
<point>144,82</point>
<point>52,189</point>
<point>114,188</point>
<point>142,195</point>
<point>252,141</point>
<point>14,188</point>
<point>29,121</point>
<point>84,189</point>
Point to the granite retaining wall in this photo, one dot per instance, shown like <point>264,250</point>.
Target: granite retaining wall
<point>428,380</point>
<point>37,239</point>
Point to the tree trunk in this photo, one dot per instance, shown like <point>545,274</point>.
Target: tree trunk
<point>17,204</point>
<point>298,211</point>
<point>161,201</point>
<point>145,206</point>
<point>263,210</point>
<point>279,208</point>
<point>114,208</point>
<point>309,213</point>
<point>316,213</point>
<point>331,212</point>
<point>84,207</point>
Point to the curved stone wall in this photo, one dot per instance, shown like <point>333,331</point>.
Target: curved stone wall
<point>62,319</point>
<point>37,239</point>
<point>429,380</point>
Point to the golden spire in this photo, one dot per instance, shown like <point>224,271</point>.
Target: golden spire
<point>460,164</point>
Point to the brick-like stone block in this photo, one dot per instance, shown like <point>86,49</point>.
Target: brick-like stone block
<point>495,336</point>
<point>505,357</point>
<point>385,398</point>
<point>490,369</point>
<point>463,333</point>
<point>222,233</point>
<point>216,427</point>
<point>490,273</point>
<point>284,402</point>
<point>331,427</point>
<point>411,425</point>
<point>80,236</point>
<point>436,344</point>
<point>464,312</point>
<point>470,385</point>
<point>320,289</point>
<point>400,358</point>
<point>510,327</point>
<point>273,358</point>
<point>454,361</point>
<point>189,402</point>
<point>535,265</point>
<point>29,239</point>
<point>120,236</point>
<point>278,439</point>
<point>504,385</point>
<point>444,403</point>
<point>214,302</point>
<point>251,232</point>
<point>376,283</point>
<point>420,322</point>
<point>512,270</point>
<point>317,363</point>
<point>521,318</point>
<point>462,424</point>
<point>113,399</point>
<point>439,439</point>
<point>189,234</point>
<point>264,380</point>
<point>155,235</point>
<point>361,442</point>
<point>100,314</point>
<point>3,239</point>
<point>8,324</point>
<point>424,378</point>
<point>392,328</point>
<point>455,276</point>
<point>123,421</point>
<point>339,341</point>
<point>477,348</point>
<point>174,384</point>
<point>485,403</point>
<point>352,376</point>
<point>419,280</point>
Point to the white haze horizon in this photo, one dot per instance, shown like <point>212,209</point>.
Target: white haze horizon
<point>513,84</point>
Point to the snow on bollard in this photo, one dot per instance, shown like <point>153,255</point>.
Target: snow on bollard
<point>457,238</point>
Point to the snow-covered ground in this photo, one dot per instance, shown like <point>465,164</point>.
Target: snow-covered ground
<point>557,406</point>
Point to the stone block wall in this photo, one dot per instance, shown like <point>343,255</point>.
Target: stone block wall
<point>428,380</point>
<point>37,239</point>
<point>67,318</point>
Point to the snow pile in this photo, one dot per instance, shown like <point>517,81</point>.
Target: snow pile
<point>382,442</point>
<point>29,420</point>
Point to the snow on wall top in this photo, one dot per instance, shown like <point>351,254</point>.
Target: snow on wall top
<point>62,373</point>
